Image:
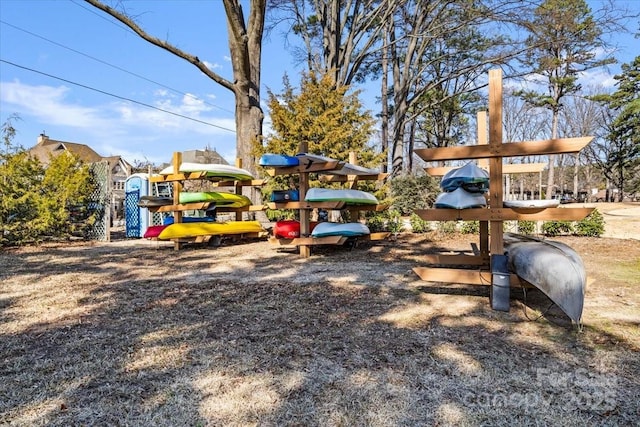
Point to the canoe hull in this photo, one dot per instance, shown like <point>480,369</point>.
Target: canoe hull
<point>553,267</point>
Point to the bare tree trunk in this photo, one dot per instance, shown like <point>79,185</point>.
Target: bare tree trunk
<point>245,48</point>
<point>576,171</point>
<point>384,97</point>
<point>552,158</point>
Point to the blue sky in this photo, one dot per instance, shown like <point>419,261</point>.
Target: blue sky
<point>69,40</point>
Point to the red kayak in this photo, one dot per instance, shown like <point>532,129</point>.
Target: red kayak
<point>289,229</point>
<point>153,231</point>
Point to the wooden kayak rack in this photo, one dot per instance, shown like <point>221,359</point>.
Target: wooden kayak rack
<point>178,208</point>
<point>332,171</point>
<point>480,266</point>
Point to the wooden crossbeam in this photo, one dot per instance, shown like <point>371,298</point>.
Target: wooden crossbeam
<point>302,168</point>
<point>461,276</point>
<point>306,205</point>
<point>456,259</point>
<point>178,177</point>
<point>309,241</point>
<point>347,178</point>
<point>512,149</point>
<point>504,214</point>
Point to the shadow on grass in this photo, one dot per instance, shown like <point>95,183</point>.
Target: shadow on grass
<point>171,341</point>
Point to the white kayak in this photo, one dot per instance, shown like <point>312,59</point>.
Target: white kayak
<point>534,203</point>
<point>460,199</point>
<point>349,229</point>
<point>212,170</point>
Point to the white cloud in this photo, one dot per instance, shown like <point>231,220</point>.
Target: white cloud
<point>212,66</point>
<point>48,104</point>
<point>120,127</point>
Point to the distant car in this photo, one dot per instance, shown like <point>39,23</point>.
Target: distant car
<point>567,199</point>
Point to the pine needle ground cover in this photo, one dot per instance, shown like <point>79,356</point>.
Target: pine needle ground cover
<point>135,333</point>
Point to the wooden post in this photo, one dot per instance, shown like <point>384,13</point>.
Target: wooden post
<point>177,188</point>
<point>305,251</point>
<point>483,163</point>
<point>481,118</point>
<point>495,163</point>
<point>238,189</point>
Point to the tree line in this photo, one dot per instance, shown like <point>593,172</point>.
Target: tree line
<point>430,58</point>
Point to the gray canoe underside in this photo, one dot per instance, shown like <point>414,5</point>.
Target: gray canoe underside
<point>553,267</point>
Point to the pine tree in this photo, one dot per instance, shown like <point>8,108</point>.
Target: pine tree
<point>323,118</point>
<point>562,44</point>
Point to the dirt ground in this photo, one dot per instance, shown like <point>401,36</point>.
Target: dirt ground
<point>134,333</point>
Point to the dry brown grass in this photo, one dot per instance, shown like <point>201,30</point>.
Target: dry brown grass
<point>134,333</point>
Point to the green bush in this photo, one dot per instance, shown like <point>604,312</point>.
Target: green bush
<point>556,228</point>
<point>591,226</point>
<point>410,192</point>
<point>470,227</point>
<point>394,221</point>
<point>526,227</point>
<point>418,225</point>
<point>376,222</point>
<point>38,203</point>
<point>447,227</point>
<point>280,214</point>
<point>388,220</point>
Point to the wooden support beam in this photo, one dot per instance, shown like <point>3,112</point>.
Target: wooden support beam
<point>512,149</point>
<point>382,235</point>
<point>178,176</point>
<point>496,244</point>
<point>347,178</point>
<point>456,259</point>
<point>461,276</point>
<point>504,214</point>
<point>482,136</point>
<point>306,205</point>
<point>305,168</point>
<point>177,188</point>
<point>309,241</point>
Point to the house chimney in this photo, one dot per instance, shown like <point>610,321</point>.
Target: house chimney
<point>42,138</point>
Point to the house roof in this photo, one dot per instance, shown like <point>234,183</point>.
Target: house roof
<point>47,148</point>
<point>208,155</point>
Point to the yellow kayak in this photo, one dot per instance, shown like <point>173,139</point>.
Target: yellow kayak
<point>194,229</point>
<point>219,198</point>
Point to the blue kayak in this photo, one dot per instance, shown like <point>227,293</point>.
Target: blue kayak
<point>278,160</point>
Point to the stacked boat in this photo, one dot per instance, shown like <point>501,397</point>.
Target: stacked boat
<point>197,226</point>
<point>463,188</point>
